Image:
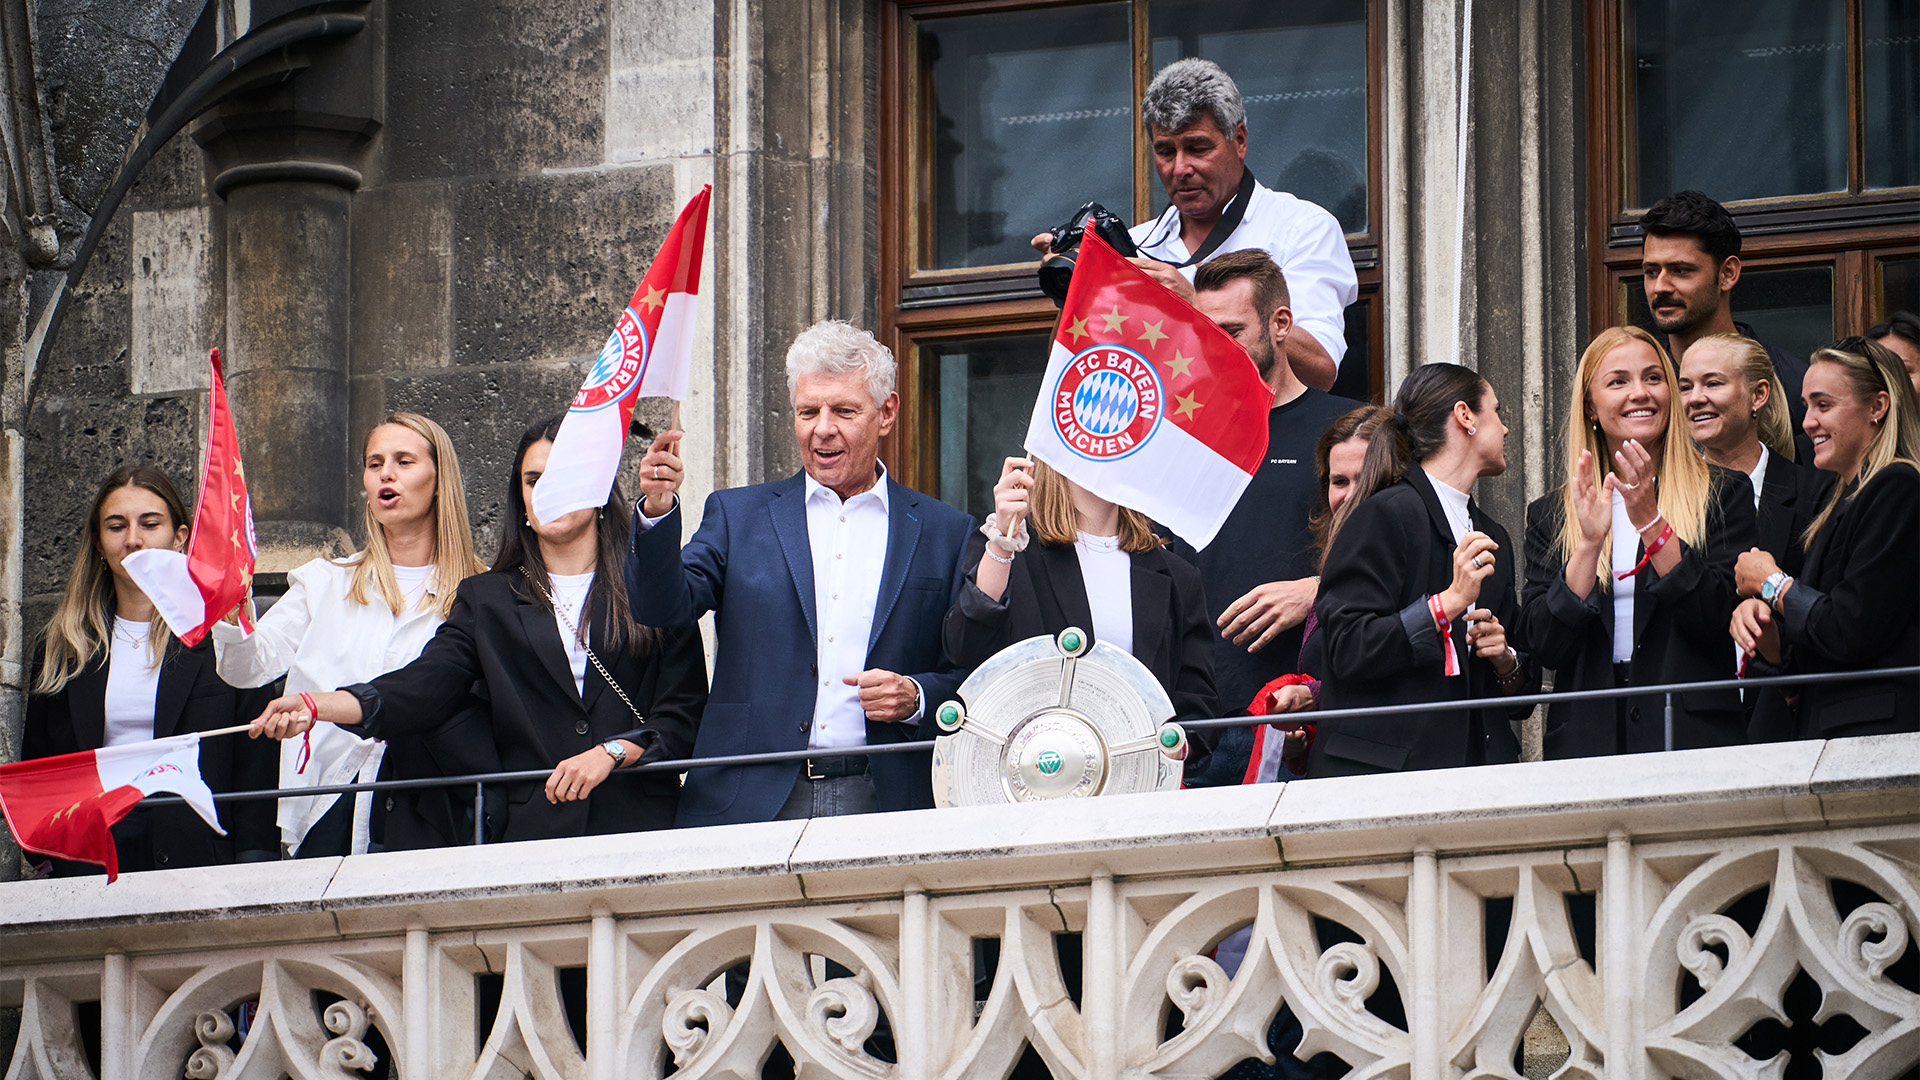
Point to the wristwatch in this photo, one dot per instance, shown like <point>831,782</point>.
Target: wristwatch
<point>616,750</point>
<point>1770,588</point>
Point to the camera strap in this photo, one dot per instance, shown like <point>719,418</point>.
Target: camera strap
<point>1229,221</point>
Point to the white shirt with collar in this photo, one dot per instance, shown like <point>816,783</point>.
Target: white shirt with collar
<point>1626,554</point>
<point>1759,475</point>
<point>1303,239</point>
<point>320,639</point>
<point>1453,504</point>
<point>849,542</point>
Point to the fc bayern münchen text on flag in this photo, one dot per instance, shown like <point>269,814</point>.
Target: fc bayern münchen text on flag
<point>1145,402</point>
<point>649,354</point>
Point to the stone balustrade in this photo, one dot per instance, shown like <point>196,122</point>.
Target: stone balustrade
<point>1687,914</point>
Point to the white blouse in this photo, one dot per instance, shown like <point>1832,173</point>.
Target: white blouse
<point>1108,573</point>
<point>321,640</point>
<point>133,683</point>
<point>570,605</point>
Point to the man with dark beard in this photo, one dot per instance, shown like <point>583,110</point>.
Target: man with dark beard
<point>1689,264</point>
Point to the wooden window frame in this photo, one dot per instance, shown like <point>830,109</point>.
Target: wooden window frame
<point>917,307</point>
<point>1849,230</point>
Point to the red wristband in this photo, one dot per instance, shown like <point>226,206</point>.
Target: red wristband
<point>1666,534</point>
<point>1449,663</point>
<point>306,737</point>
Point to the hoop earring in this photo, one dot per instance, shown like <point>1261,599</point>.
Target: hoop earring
<point>1473,431</point>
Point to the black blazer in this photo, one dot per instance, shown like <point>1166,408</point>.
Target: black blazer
<point>1382,648</point>
<point>1856,605</point>
<point>190,697</point>
<point>1046,593</point>
<point>751,564</point>
<point>504,648</point>
<point>1791,495</point>
<point>1679,634</point>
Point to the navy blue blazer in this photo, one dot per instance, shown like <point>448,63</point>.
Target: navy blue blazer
<point>751,564</point>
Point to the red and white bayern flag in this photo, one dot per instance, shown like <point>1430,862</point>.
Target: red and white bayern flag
<point>196,590</point>
<point>1146,403</point>
<point>65,806</point>
<point>649,355</point>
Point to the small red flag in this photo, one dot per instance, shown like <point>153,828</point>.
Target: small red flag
<point>195,590</point>
<point>65,806</point>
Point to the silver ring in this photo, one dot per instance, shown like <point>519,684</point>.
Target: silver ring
<point>656,472</point>
<point>1478,560</point>
<point>1629,487</point>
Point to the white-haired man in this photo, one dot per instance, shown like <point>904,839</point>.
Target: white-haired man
<point>828,589</point>
<point>1197,124</point>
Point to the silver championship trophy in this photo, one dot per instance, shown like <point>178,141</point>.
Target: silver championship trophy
<point>1052,718</point>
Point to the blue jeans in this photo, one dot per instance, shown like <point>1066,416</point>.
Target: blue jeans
<point>829,798</point>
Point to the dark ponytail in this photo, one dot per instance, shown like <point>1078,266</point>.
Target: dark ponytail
<point>1418,431</point>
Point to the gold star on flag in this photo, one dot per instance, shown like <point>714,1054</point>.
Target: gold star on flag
<point>655,298</point>
<point>1179,364</point>
<point>1114,318</point>
<point>238,471</point>
<point>1188,405</point>
<point>1152,335</point>
<point>236,538</point>
<point>1078,330</point>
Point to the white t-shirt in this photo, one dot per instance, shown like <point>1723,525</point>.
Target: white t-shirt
<point>570,598</point>
<point>1108,573</point>
<point>1626,553</point>
<point>133,680</point>
<point>413,583</point>
<point>1301,237</point>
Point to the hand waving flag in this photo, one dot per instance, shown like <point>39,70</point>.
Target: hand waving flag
<point>195,590</point>
<point>1146,403</point>
<point>649,355</point>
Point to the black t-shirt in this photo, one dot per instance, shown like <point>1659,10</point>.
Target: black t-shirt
<point>1266,538</point>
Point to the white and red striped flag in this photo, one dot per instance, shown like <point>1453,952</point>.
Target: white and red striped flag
<point>65,806</point>
<point>650,354</point>
<point>1146,403</point>
<point>196,590</point>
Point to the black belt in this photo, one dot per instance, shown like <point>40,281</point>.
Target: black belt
<point>833,768</point>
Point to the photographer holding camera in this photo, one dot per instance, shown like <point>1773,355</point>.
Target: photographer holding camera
<point>1197,123</point>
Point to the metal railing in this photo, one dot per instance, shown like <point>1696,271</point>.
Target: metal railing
<point>480,780</point>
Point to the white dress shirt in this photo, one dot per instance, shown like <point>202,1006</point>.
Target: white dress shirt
<point>321,640</point>
<point>1759,475</point>
<point>1303,239</point>
<point>849,542</point>
<point>1108,573</point>
<point>133,682</point>
<point>1453,504</point>
<point>1626,553</point>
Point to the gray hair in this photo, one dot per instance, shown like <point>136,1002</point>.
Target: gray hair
<point>1184,90</point>
<point>835,347</point>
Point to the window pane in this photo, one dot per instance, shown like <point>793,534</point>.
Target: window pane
<point>1028,114</point>
<point>1741,101</point>
<point>1890,30</point>
<point>986,388</point>
<point>1790,307</point>
<point>1899,287</point>
<point>1302,71</point>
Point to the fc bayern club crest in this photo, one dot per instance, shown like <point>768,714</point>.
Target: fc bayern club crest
<point>622,360</point>
<point>1108,402</point>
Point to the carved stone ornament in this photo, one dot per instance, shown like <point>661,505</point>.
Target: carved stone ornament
<point>1057,717</point>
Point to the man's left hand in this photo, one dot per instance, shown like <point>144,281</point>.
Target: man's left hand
<point>1268,610</point>
<point>887,698</point>
<point>1167,275</point>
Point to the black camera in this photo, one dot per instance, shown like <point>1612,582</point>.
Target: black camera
<point>1057,269</point>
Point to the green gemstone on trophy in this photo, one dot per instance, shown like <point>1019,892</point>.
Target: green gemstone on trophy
<point>1070,641</point>
<point>1169,737</point>
<point>949,715</point>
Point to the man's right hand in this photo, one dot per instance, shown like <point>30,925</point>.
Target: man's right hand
<point>1043,243</point>
<point>661,472</point>
<point>1266,611</point>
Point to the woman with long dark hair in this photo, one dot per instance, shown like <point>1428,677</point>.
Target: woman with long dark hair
<point>111,673</point>
<point>348,620</point>
<point>1630,562</point>
<point>568,680</point>
<point>1855,605</point>
<point>1094,565</point>
<point>1417,590</point>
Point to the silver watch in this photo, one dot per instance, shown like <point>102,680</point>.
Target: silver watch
<point>616,750</point>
